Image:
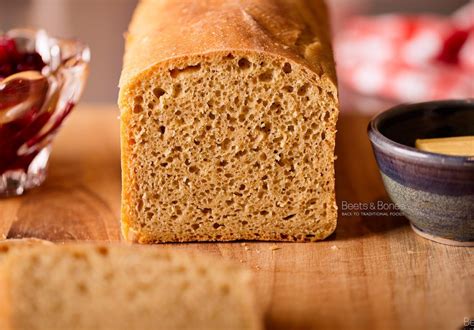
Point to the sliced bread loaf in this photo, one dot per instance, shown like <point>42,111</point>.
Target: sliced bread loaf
<point>121,287</point>
<point>228,121</point>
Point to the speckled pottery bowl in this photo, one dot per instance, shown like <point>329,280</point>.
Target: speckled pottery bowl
<point>435,192</point>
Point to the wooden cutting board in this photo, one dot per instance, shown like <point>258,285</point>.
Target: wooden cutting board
<point>373,273</point>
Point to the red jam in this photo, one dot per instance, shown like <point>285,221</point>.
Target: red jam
<point>21,100</point>
<point>13,61</point>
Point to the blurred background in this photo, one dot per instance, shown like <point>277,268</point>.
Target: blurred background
<point>101,24</point>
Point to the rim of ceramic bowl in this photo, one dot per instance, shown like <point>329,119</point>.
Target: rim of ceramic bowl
<point>407,152</point>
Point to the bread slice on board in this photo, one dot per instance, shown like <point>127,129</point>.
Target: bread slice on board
<point>10,246</point>
<point>228,121</point>
<point>103,287</point>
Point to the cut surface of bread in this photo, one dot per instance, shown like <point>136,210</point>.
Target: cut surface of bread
<point>93,286</point>
<point>9,246</point>
<point>228,122</point>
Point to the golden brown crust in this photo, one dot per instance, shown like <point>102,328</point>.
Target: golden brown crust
<point>295,29</point>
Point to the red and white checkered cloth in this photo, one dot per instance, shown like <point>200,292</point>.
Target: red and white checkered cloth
<point>409,58</point>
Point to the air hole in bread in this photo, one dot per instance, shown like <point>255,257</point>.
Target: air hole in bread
<point>230,56</point>
<point>159,92</point>
<point>288,89</point>
<point>265,127</point>
<point>174,73</point>
<point>303,90</point>
<point>331,97</point>
<point>137,108</point>
<point>82,288</point>
<point>177,90</point>
<point>225,144</point>
<point>266,76</point>
<point>240,153</point>
<point>244,63</point>
<point>287,68</point>
<point>102,250</point>
<point>79,255</point>
<point>225,289</point>
<point>288,217</point>
<point>194,169</point>
<point>140,205</point>
<point>327,115</point>
<point>162,130</point>
<point>108,276</point>
<point>180,269</point>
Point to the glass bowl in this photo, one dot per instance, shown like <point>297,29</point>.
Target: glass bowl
<point>34,103</point>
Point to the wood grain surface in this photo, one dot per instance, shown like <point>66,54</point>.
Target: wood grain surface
<point>373,273</point>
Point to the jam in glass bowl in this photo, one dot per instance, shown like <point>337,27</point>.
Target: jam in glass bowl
<point>41,79</point>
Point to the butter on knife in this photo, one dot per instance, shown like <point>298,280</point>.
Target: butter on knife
<point>453,146</point>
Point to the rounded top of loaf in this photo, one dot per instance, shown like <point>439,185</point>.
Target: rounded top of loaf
<point>167,30</point>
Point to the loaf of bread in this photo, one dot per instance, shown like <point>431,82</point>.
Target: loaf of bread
<point>121,287</point>
<point>228,121</point>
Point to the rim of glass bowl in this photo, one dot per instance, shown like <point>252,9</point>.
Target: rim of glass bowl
<point>56,52</point>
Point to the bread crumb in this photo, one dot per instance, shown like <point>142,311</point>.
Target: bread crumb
<point>246,248</point>
<point>243,244</point>
<point>258,251</point>
<point>334,247</point>
<point>274,248</point>
<point>257,267</point>
<point>410,252</point>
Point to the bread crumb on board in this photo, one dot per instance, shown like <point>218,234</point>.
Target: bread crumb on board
<point>244,245</point>
<point>334,247</point>
<point>274,247</point>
